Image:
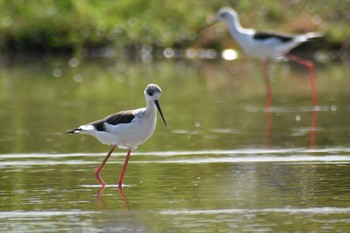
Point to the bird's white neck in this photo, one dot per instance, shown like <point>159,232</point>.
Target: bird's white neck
<point>151,107</point>
<point>236,29</point>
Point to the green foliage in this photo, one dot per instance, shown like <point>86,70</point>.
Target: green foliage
<point>76,24</point>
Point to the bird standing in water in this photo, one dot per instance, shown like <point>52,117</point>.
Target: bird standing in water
<point>126,129</point>
<point>267,45</point>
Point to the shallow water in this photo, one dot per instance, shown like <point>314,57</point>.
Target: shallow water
<point>218,166</point>
<point>180,191</point>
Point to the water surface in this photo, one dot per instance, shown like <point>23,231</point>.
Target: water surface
<point>218,166</point>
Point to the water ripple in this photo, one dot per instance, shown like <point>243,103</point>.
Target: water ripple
<point>311,210</point>
<point>338,159</point>
<point>32,214</point>
<point>177,153</point>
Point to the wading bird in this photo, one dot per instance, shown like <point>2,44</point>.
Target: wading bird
<point>268,45</point>
<point>126,129</point>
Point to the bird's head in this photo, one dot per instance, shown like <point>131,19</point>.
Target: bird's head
<point>226,14</point>
<point>153,92</point>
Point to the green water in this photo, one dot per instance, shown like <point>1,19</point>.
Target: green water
<point>217,167</point>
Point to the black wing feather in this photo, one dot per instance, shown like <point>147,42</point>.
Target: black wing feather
<point>114,119</point>
<point>268,35</point>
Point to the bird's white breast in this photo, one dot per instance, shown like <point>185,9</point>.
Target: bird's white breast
<point>132,134</point>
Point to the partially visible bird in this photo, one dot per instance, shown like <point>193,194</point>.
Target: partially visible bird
<point>126,129</point>
<point>268,45</point>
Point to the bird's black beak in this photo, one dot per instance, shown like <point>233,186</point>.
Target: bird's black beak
<point>210,24</point>
<point>160,111</point>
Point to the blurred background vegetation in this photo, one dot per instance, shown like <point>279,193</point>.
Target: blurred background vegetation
<point>73,26</point>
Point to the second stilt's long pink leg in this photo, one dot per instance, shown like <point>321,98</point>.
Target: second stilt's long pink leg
<point>98,170</point>
<point>121,177</point>
<point>310,66</point>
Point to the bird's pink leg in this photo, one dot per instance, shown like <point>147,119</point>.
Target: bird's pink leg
<point>98,170</point>
<point>121,177</point>
<point>310,66</point>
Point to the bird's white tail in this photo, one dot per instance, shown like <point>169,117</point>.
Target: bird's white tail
<point>311,35</point>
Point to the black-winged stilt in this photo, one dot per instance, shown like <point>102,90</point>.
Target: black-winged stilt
<point>126,129</point>
<point>267,45</point>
